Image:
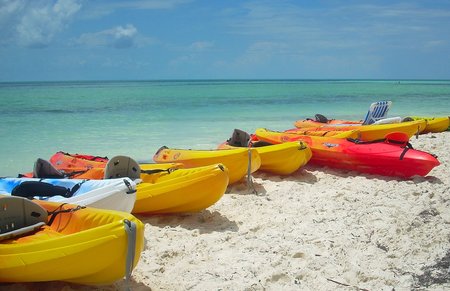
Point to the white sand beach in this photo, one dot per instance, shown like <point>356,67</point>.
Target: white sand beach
<point>319,229</point>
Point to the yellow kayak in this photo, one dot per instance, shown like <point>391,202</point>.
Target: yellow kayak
<point>179,190</point>
<point>373,131</point>
<point>85,246</point>
<point>281,159</point>
<point>239,161</point>
<point>434,124</point>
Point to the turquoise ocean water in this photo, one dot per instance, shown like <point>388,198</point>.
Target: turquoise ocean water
<point>135,118</point>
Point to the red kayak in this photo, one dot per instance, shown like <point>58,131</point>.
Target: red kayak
<point>393,156</point>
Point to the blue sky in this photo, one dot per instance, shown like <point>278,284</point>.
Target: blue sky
<point>43,40</point>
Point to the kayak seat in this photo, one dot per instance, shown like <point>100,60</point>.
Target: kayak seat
<point>320,118</point>
<point>29,189</point>
<point>121,167</point>
<point>20,216</point>
<point>44,169</point>
<point>239,138</point>
<point>397,138</point>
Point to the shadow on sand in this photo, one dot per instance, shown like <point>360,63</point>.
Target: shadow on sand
<point>205,221</point>
<point>57,286</point>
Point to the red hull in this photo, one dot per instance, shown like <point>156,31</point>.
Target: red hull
<point>64,161</point>
<point>379,158</point>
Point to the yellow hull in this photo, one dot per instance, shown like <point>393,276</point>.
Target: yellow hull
<point>374,131</point>
<point>182,190</point>
<point>379,131</point>
<point>87,246</point>
<point>236,160</point>
<point>434,124</point>
<point>282,159</point>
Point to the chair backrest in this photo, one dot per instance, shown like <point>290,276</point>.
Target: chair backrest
<point>44,169</point>
<point>377,110</point>
<point>19,216</point>
<point>122,166</point>
<point>239,138</point>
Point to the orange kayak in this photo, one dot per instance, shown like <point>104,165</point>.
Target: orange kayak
<point>63,161</point>
<point>306,123</point>
<point>77,166</point>
<point>373,131</point>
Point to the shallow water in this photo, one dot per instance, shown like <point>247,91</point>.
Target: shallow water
<point>135,118</point>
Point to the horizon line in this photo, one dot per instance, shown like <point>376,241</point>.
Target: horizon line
<point>220,79</point>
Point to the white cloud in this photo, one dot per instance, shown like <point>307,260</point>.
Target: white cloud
<point>35,23</point>
<point>343,26</point>
<point>263,51</point>
<point>117,37</point>
<point>100,9</point>
<point>435,44</point>
<point>193,53</point>
<point>10,11</point>
<point>10,7</point>
<point>151,4</point>
<point>200,46</point>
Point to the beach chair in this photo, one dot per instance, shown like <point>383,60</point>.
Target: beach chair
<point>377,111</point>
<point>376,115</point>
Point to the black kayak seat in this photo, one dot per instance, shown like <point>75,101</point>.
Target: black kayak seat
<point>29,189</point>
<point>239,138</point>
<point>321,118</point>
<point>44,169</point>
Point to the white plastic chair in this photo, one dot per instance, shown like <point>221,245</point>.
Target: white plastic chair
<point>376,115</point>
<point>377,111</point>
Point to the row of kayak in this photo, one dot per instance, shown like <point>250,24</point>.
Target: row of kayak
<point>82,208</point>
<point>162,186</point>
<point>153,189</point>
<point>381,149</point>
<point>410,124</point>
<point>80,229</point>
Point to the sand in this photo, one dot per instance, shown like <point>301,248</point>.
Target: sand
<point>319,229</point>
